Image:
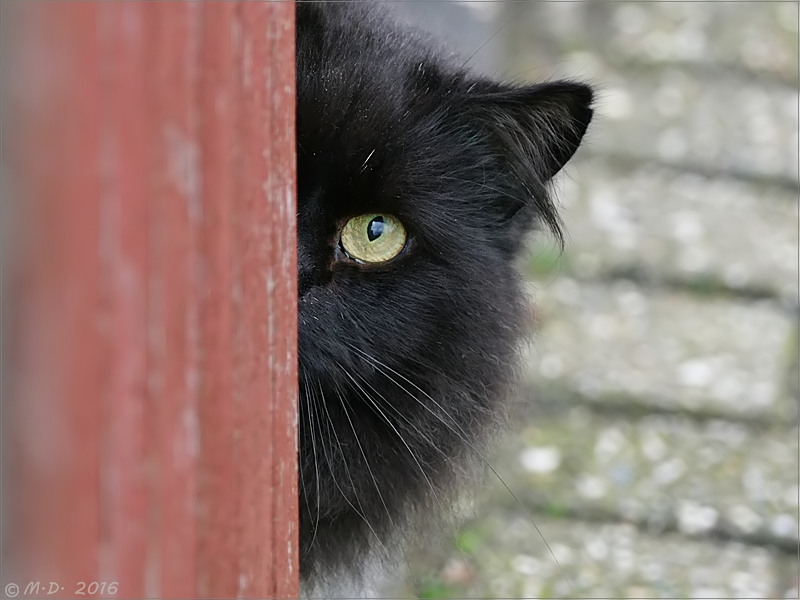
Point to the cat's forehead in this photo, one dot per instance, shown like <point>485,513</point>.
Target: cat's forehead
<point>361,82</point>
<point>359,136</point>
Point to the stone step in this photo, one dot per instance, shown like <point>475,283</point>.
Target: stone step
<point>621,343</point>
<point>504,557</point>
<point>718,122</point>
<point>727,124</point>
<point>663,224</point>
<point>756,38</point>
<point>662,472</point>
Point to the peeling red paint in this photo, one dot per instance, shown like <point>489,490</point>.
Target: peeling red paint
<point>156,445</point>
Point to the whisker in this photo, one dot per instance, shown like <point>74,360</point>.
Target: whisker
<point>360,513</point>
<point>342,454</point>
<point>411,452</point>
<point>345,403</point>
<point>364,164</point>
<point>311,433</point>
<point>399,435</point>
<point>414,428</point>
<point>486,43</point>
<point>462,435</point>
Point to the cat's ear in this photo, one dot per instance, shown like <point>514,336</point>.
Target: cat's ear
<point>533,131</point>
<point>542,122</point>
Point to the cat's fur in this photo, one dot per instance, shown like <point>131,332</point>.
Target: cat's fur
<point>405,366</point>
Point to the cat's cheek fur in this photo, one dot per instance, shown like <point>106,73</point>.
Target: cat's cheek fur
<point>405,367</point>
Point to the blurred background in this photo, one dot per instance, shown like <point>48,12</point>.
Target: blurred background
<point>655,446</point>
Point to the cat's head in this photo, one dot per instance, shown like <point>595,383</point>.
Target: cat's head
<point>417,186</point>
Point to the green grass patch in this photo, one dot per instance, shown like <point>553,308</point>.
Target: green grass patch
<point>556,510</point>
<point>430,590</point>
<point>545,261</point>
<point>704,285</point>
<point>468,541</point>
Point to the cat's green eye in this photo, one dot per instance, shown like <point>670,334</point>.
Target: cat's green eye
<point>373,238</point>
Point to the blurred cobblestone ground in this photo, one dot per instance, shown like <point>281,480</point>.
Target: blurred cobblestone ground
<point>656,450</point>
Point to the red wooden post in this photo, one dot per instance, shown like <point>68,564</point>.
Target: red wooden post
<point>154,403</point>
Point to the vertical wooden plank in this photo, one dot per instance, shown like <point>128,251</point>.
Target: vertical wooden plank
<point>253,273</point>
<point>123,173</point>
<point>264,328</point>
<point>174,215</point>
<point>281,192</point>
<point>218,542</point>
<point>156,446</point>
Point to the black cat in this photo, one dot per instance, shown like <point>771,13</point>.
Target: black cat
<point>418,183</point>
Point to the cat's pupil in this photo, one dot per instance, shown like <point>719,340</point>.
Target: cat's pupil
<point>375,229</point>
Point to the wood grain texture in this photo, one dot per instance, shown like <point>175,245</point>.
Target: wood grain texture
<point>156,401</point>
